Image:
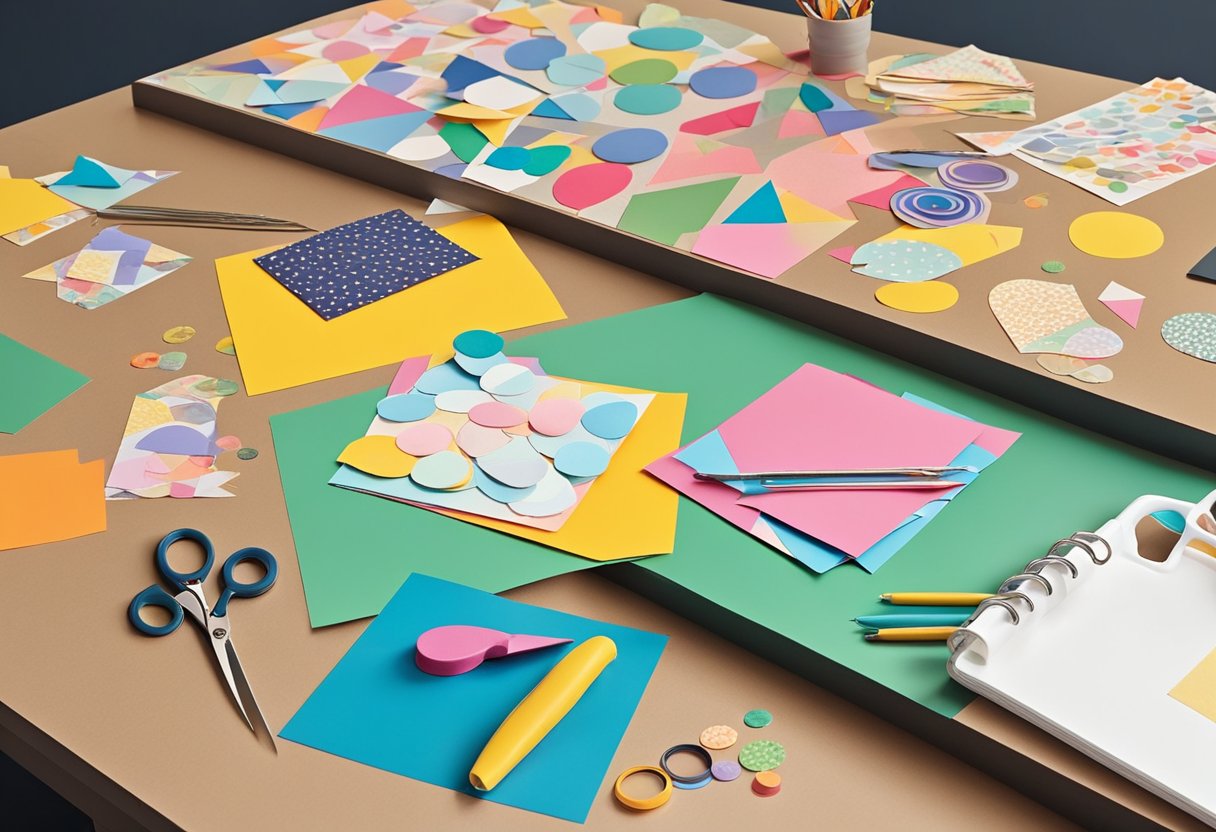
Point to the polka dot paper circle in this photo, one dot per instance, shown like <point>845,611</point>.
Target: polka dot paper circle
<point>630,146</point>
<point>723,82</point>
<point>762,755</point>
<point>1193,333</point>
<point>717,737</point>
<point>936,207</point>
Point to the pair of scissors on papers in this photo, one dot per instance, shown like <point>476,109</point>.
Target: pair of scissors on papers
<point>191,598</point>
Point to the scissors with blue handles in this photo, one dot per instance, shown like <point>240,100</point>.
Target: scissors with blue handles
<point>191,599</point>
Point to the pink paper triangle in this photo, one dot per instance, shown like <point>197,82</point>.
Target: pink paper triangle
<point>362,103</point>
<point>799,123</point>
<point>1127,310</point>
<point>881,198</point>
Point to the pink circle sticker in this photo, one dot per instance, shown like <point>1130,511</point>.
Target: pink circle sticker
<point>588,185</point>
<point>424,439</point>
<point>553,417</point>
<point>497,415</point>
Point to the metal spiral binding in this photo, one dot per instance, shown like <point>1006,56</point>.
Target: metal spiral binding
<point>1008,593</point>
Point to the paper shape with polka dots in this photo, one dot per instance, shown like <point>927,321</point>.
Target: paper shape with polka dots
<point>352,265</point>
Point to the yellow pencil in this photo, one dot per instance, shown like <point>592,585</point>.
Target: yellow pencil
<point>910,634</point>
<point>934,599</point>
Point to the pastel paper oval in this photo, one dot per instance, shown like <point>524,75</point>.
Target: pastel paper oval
<point>516,464</point>
<point>419,148</point>
<point>1193,333</point>
<point>478,366</point>
<point>172,361</point>
<point>904,261</point>
<point>497,415</point>
<point>610,421</point>
<point>648,99</point>
<point>534,53</point>
<point>630,146</point>
<point>976,175</point>
<point>228,443</point>
<point>441,471</point>
<point>444,377</point>
<point>507,380</point>
<point>588,185</point>
<point>553,495</point>
<point>544,160</point>
<point>424,439</point>
<point>478,343</point>
<point>378,456</point>
<point>1093,342</point>
<point>487,25</point>
<point>645,71</point>
<point>509,158</point>
<point>406,407</point>
<point>723,82</point>
<point>551,445</point>
<point>461,401</point>
<point>582,459</point>
<point>923,297</point>
<point>666,38</point>
<point>495,490</point>
<point>576,70</point>
<point>1115,234</point>
<point>499,93</point>
<point>477,441</point>
<point>553,417</point>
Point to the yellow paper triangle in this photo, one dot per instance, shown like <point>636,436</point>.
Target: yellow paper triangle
<point>521,16</point>
<point>495,131</point>
<point>356,68</point>
<point>798,209</point>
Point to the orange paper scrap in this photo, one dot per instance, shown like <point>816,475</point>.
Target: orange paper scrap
<point>50,496</point>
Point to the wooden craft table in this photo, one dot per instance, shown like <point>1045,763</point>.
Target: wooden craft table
<point>139,732</point>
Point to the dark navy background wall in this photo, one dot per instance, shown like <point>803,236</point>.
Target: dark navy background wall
<point>55,53</point>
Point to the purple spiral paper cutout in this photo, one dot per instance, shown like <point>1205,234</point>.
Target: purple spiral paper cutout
<point>936,207</point>
<point>976,175</point>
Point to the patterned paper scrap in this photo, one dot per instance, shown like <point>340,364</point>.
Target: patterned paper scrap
<point>1039,316</point>
<point>1125,147</point>
<point>1193,333</point>
<point>344,268</point>
<point>169,445</point>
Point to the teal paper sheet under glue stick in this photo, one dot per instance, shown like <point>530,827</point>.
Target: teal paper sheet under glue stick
<point>879,622</point>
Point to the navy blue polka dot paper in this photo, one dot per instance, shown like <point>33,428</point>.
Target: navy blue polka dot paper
<point>344,268</point>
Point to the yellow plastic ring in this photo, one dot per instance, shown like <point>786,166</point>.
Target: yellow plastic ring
<point>646,803</point>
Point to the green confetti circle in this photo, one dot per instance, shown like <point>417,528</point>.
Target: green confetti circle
<point>762,755</point>
<point>1053,267</point>
<point>172,361</point>
<point>218,386</point>
<point>757,718</point>
<point>247,453</point>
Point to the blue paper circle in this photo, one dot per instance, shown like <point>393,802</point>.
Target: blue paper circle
<point>478,343</point>
<point>723,82</point>
<point>509,158</point>
<point>666,38</point>
<point>534,53</point>
<point>447,376</point>
<point>629,146</point>
<point>478,366</point>
<point>406,407</point>
<point>495,490</point>
<point>610,421</point>
<point>648,99</point>
<point>581,459</point>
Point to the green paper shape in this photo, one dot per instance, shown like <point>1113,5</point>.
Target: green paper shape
<point>645,71</point>
<point>776,102</point>
<point>546,159</point>
<point>32,383</point>
<point>764,206</point>
<point>814,98</point>
<point>663,216</point>
<point>648,99</point>
<point>356,549</point>
<point>1024,502</point>
<point>465,140</point>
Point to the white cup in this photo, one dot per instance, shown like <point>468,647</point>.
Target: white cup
<point>839,47</point>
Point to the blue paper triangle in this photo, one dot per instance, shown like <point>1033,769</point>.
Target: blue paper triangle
<point>274,83</point>
<point>89,173</point>
<point>378,133</point>
<point>286,111</point>
<point>548,109</point>
<point>252,66</point>
<point>764,206</point>
<point>262,96</point>
<point>463,71</point>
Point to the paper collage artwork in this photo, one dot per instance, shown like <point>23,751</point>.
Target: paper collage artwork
<point>169,446</point>
<point>113,264</point>
<point>29,211</point>
<point>1125,147</point>
<point>94,184</point>
<point>790,428</point>
<point>664,130</point>
<point>484,435</point>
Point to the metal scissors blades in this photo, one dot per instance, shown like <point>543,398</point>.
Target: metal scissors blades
<point>192,600</point>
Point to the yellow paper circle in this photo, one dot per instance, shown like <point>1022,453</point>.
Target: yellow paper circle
<point>1115,234</point>
<point>378,456</point>
<point>927,296</point>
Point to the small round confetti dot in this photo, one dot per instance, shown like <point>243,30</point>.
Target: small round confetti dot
<point>762,755</point>
<point>1035,201</point>
<point>228,443</point>
<point>225,345</point>
<point>717,737</point>
<point>172,361</point>
<point>145,360</point>
<point>1053,267</point>
<point>726,770</point>
<point>424,438</point>
<point>478,343</point>
<point>247,453</point>
<point>757,718</point>
<point>218,386</point>
<point>766,783</point>
<point>178,334</point>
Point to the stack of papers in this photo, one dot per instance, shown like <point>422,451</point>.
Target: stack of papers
<point>817,419</point>
<point>968,81</point>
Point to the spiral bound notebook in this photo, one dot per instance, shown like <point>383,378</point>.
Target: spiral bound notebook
<point>1111,651</point>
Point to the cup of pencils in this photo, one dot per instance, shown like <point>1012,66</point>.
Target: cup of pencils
<point>839,34</point>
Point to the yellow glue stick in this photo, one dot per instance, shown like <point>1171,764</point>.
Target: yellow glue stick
<point>540,710</point>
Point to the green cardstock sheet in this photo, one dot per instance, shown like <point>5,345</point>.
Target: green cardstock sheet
<point>32,384</point>
<point>1055,480</point>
